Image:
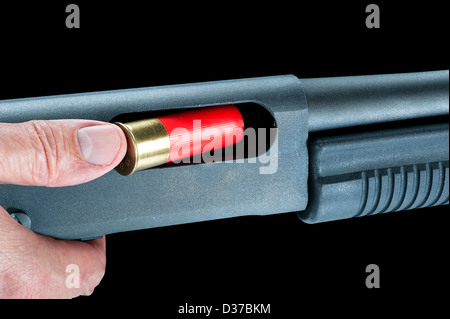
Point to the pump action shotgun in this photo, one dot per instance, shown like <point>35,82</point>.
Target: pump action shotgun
<point>345,147</point>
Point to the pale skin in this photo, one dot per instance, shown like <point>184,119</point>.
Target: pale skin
<point>52,154</point>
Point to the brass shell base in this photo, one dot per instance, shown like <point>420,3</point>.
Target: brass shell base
<point>148,145</point>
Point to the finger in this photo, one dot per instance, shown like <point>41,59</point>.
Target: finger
<point>36,266</point>
<point>58,152</point>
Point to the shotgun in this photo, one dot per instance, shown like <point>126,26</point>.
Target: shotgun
<point>328,149</point>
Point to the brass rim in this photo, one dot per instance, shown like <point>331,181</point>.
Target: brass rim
<point>148,145</point>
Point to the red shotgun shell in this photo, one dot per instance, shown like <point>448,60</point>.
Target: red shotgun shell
<point>212,127</point>
<point>172,137</point>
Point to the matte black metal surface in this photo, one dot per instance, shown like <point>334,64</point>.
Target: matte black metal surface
<point>340,102</point>
<point>377,172</point>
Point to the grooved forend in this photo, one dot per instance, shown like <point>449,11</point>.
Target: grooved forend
<point>376,172</point>
<point>405,187</point>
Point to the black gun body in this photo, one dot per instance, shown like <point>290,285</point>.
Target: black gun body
<point>329,133</point>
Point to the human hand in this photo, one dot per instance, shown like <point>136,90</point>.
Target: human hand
<point>52,153</point>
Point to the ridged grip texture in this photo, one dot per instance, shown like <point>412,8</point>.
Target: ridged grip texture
<point>378,172</point>
<point>405,187</point>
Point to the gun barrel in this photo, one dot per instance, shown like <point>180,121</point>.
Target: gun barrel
<point>339,102</point>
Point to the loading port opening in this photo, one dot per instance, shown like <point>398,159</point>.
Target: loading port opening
<point>260,132</point>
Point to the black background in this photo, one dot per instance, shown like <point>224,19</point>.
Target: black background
<point>273,259</point>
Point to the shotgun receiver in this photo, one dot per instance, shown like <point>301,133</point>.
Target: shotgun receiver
<point>342,147</point>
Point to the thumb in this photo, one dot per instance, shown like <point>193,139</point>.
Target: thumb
<point>58,152</point>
